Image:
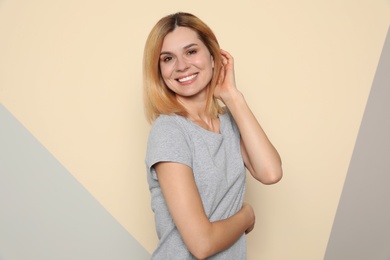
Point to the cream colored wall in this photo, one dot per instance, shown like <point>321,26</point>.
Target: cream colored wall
<point>70,71</point>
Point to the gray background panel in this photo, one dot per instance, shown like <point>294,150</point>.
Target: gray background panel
<point>46,213</point>
<point>361,229</point>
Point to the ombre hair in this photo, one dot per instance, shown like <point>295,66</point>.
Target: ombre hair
<point>158,98</point>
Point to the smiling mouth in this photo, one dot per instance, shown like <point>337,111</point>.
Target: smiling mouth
<point>188,78</point>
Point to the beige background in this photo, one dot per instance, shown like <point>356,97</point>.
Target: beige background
<point>70,71</point>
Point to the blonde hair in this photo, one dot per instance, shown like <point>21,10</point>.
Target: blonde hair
<point>158,98</point>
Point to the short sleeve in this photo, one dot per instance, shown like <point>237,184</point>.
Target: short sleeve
<point>167,142</point>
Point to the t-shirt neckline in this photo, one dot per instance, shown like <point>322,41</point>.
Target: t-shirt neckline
<point>221,125</point>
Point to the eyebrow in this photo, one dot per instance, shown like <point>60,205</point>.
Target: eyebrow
<point>184,48</point>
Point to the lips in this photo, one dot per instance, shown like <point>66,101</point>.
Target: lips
<point>188,78</point>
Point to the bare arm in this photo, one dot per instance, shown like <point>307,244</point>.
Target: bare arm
<point>202,237</point>
<point>260,156</point>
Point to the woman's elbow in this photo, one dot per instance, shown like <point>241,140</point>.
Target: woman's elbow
<point>201,250</point>
<point>271,176</point>
<point>200,255</point>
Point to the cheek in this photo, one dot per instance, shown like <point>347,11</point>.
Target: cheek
<point>204,63</point>
<point>209,65</point>
<point>165,71</point>
<point>166,76</point>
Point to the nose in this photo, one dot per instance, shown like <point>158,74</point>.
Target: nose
<point>181,64</point>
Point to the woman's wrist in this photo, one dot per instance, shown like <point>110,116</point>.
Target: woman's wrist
<point>232,98</point>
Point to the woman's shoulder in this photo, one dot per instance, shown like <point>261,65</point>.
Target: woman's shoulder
<point>167,121</point>
<point>167,134</point>
<point>167,125</point>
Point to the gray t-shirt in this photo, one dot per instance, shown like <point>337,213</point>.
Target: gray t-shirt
<point>218,170</point>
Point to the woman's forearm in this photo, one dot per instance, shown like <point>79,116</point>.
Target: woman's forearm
<point>262,159</point>
<point>223,233</point>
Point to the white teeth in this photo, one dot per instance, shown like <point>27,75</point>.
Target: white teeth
<point>187,78</point>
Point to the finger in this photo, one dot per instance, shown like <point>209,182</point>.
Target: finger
<point>227,62</point>
<point>224,60</point>
<point>227,56</point>
<point>221,76</point>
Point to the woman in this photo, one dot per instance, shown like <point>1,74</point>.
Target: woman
<point>198,150</point>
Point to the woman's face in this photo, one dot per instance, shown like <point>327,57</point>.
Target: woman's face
<point>185,62</point>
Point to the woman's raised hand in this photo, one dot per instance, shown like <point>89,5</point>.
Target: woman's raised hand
<point>226,86</point>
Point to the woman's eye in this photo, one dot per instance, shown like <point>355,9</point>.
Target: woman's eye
<point>166,59</point>
<point>190,52</point>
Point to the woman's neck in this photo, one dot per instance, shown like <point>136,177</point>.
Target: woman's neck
<point>205,121</point>
<point>196,109</point>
